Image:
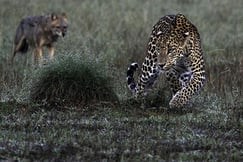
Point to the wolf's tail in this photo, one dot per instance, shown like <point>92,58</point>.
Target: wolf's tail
<point>20,39</point>
<point>130,79</point>
<point>24,46</point>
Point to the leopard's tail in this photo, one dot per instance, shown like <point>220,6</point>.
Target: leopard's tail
<point>130,79</point>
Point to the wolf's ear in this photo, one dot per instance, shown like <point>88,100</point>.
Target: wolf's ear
<point>53,16</point>
<point>64,15</point>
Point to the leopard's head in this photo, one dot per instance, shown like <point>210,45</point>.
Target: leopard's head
<point>177,46</point>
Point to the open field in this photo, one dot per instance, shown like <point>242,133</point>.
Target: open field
<point>112,34</point>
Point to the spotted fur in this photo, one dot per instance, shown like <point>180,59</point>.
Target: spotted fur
<point>174,48</point>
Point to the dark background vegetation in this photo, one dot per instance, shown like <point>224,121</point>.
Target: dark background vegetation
<point>110,35</point>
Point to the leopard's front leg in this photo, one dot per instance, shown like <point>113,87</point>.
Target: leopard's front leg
<point>183,96</point>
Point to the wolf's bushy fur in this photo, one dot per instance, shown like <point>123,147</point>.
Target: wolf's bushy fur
<point>39,31</point>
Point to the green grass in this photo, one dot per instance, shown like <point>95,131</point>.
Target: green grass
<point>72,81</point>
<point>112,34</point>
<point>110,133</point>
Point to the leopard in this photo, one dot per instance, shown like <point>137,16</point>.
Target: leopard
<point>174,50</point>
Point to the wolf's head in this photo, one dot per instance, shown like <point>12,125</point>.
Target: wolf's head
<point>58,24</point>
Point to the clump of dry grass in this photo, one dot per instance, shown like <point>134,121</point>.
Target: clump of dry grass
<point>72,81</point>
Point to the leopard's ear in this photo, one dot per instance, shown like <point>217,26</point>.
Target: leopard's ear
<point>181,16</point>
<point>53,16</point>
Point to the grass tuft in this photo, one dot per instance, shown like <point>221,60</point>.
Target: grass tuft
<point>72,81</point>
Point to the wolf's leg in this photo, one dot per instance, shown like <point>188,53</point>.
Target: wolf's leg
<point>12,56</point>
<point>51,52</point>
<point>16,48</point>
<point>39,56</point>
<point>33,57</point>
